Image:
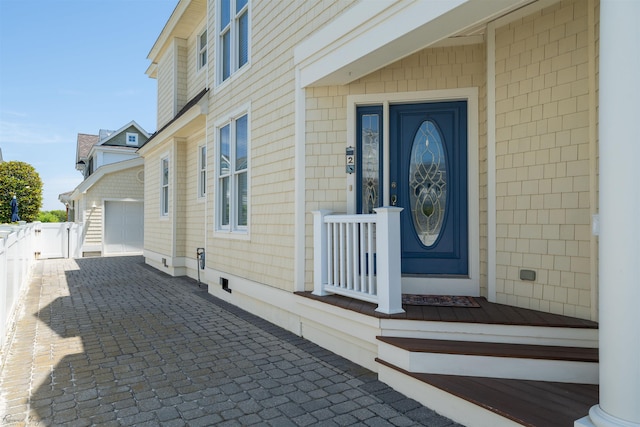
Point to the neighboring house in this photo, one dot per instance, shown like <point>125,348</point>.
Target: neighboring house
<point>480,119</point>
<point>109,201</point>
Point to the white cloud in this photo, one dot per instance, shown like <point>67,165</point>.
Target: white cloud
<point>21,133</point>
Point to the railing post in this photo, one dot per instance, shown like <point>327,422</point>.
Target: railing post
<point>388,263</point>
<point>319,252</point>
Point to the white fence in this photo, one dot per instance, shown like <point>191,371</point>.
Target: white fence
<point>17,254</point>
<point>20,246</point>
<point>358,256</point>
<point>58,240</point>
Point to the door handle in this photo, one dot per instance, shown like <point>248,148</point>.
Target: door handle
<point>394,199</point>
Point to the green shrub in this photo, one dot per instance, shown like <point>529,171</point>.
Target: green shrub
<point>52,216</point>
<point>22,180</point>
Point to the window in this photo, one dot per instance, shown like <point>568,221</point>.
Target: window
<point>164,190</point>
<point>202,49</point>
<point>202,171</point>
<point>233,37</point>
<point>232,195</point>
<point>132,138</point>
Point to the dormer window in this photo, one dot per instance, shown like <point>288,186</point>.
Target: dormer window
<point>132,138</point>
<point>202,49</point>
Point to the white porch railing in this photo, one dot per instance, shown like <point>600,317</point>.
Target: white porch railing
<point>359,256</point>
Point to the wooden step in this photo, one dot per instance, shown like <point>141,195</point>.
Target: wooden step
<point>529,403</point>
<point>491,359</point>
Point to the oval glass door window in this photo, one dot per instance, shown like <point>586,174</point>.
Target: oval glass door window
<point>428,183</point>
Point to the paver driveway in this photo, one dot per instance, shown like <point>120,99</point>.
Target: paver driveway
<point>110,341</point>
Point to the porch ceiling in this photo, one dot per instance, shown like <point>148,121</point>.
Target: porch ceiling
<point>371,35</point>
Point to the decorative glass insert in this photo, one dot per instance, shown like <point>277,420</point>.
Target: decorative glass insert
<point>428,183</point>
<point>370,162</point>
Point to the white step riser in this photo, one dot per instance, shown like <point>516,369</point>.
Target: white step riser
<point>513,334</point>
<point>490,366</point>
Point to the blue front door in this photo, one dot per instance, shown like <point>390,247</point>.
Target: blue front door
<point>428,178</point>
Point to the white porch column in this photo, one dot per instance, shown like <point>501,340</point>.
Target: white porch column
<point>319,252</point>
<point>619,252</point>
<point>389,274</point>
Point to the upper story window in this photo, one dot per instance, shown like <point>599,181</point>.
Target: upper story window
<point>232,199</point>
<point>202,49</point>
<point>164,187</point>
<point>233,37</point>
<point>132,138</point>
<point>202,171</point>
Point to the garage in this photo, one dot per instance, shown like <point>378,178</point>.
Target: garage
<point>123,227</point>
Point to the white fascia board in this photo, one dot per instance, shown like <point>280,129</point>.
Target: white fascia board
<point>105,170</point>
<point>339,28</point>
<point>99,150</point>
<point>371,35</point>
<point>165,34</point>
<point>152,71</point>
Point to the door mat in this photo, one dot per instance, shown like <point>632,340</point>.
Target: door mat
<point>439,300</point>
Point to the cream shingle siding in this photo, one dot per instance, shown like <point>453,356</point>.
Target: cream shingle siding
<point>267,255</point>
<point>158,235</point>
<point>181,232</point>
<point>545,166</point>
<point>181,75</point>
<point>542,157</point>
<point>195,79</point>
<point>166,86</point>
<point>430,69</point>
<point>193,210</point>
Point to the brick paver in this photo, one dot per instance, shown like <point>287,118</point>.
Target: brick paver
<point>112,342</point>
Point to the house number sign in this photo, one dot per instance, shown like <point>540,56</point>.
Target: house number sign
<point>350,160</point>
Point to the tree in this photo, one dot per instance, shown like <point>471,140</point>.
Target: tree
<point>52,216</point>
<point>22,180</point>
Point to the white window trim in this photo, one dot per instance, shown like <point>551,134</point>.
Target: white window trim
<point>232,231</point>
<point>200,49</point>
<point>202,187</point>
<point>135,135</point>
<point>164,214</point>
<point>234,69</point>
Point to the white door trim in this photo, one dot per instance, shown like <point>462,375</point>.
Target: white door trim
<point>434,285</point>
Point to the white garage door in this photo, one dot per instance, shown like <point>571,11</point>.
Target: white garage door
<point>123,228</point>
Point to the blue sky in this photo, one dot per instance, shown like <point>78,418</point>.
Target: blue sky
<point>69,67</point>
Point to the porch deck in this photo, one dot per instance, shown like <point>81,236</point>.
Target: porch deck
<point>526,402</point>
<point>488,313</point>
